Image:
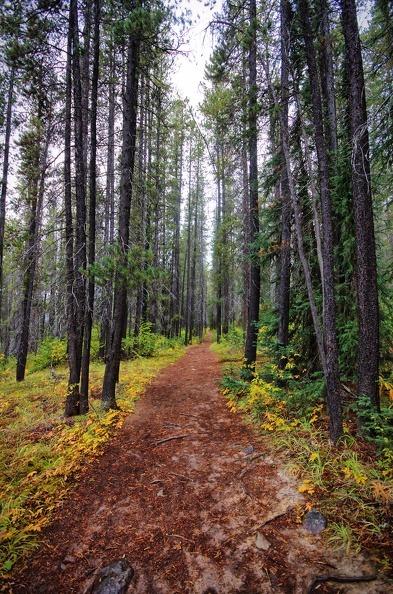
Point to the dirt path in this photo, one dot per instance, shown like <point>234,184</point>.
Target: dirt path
<point>208,512</point>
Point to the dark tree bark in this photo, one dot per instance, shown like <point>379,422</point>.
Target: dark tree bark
<point>329,317</point>
<point>255,273</point>
<point>84,404</point>
<point>75,238</point>
<point>218,320</point>
<point>366,264</point>
<point>35,195</point>
<point>72,399</point>
<point>4,182</point>
<point>224,250</point>
<point>285,196</point>
<point>327,83</point>
<point>127,168</point>
<point>175,284</point>
<point>188,335</point>
<point>109,213</point>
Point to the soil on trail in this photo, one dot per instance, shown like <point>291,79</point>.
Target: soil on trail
<point>188,493</point>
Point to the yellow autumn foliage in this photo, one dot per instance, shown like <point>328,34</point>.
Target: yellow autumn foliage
<point>40,452</point>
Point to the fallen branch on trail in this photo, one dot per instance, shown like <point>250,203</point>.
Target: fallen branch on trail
<point>171,439</point>
<point>341,579</point>
<point>178,536</point>
<point>185,478</point>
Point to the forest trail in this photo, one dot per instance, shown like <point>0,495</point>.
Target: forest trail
<point>208,511</point>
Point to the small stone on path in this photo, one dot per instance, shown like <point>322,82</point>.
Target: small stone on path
<point>314,522</point>
<point>115,577</point>
<point>248,450</point>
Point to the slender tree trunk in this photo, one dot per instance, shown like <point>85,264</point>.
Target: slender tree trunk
<point>286,210</point>
<point>84,65</point>
<point>127,168</point>
<point>84,403</point>
<point>175,291</point>
<point>36,188</point>
<point>255,272</point>
<point>109,217</point>
<point>366,264</point>
<point>193,286</point>
<point>218,242</point>
<point>80,195</point>
<point>188,335</point>
<point>246,236</point>
<point>327,84</point>
<point>72,399</point>
<point>4,182</point>
<point>329,316</point>
<point>224,255</point>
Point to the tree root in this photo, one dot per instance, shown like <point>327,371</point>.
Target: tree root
<point>339,578</point>
<point>171,439</point>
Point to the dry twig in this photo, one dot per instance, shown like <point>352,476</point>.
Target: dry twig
<point>171,439</point>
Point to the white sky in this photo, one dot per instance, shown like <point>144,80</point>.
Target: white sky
<point>189,68</point>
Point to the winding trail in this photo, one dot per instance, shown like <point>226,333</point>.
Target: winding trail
<point>190,495</point>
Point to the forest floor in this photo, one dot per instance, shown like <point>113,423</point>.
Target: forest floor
<point>195,500</point>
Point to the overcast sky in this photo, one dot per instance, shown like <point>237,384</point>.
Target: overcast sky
<point>188,73</point>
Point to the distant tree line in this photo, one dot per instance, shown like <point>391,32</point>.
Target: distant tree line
<point>106,186</point>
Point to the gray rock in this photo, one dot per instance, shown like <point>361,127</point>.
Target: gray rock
<point>114,578</point>
<point>248,450</point>
<point>314,522</point>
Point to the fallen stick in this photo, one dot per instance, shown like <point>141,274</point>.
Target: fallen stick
<point>178,536</point>
<point>171,439</point>
<point>341,579</point>
<point>181,476</point>
<point>188,415</point>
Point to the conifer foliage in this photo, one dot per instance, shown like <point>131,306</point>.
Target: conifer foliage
<point>125,215</point>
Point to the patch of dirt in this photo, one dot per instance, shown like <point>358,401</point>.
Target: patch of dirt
<point>190,495</point>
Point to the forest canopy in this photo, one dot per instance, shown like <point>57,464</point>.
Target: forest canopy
<point>107,230</point>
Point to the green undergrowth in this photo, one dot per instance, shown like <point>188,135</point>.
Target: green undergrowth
<point>351,483</point>
<point>42,455</point>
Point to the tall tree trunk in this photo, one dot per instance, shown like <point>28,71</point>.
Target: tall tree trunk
<point>246,236</point>
<point>109,216</point>
<point>366,264</point>
<point>4,182</point>
<point>327,84</point>
<point>127,169</point>
<point>80,194</point>
<point>332,377</point>
<point>175,285</point>
<point>224,254</point>
<point>84,65</point>
<point>218,321</point>
<point>84,403</point>
<point>36,189</point>
<point>72,398</point>
<point>255,272</point>
<point>286,211</point>
<point>188,335</point>
<point>193,286</point>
